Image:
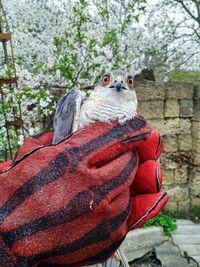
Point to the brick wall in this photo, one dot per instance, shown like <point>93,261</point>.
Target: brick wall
<point>174,109</point>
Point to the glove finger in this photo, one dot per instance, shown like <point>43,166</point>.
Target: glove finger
<point>148,178</point>
<point>150,148</point>
<point>115,176</point>
<point>145,207</point>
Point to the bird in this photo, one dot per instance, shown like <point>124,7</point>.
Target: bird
<point>113,98</point>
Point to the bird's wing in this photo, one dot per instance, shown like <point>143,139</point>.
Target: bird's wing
<point>66,114</point>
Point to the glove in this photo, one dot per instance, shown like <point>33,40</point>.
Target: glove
<point>71,204</point>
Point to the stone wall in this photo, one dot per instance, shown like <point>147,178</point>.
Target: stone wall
<point>174,109</point>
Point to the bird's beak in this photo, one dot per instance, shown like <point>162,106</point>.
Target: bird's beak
<point>118,86</point>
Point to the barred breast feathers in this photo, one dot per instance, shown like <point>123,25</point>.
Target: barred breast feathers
<point>108,104</point>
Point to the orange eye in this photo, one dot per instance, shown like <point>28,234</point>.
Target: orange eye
<point>106,79</point>
<point>130,82</point>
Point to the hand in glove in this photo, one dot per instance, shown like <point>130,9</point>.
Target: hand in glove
<point>71,204</point>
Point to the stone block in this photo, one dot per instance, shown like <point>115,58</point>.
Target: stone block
<point>150,91</point>
<point>168,177</point>
<point>151,109</point>
<point>171,206</point>
<point>167,162</point>
<point>195,201</point>
<point>180,175</point>
<point>196,90</point>
<point>177,126</point>
<point>184,205</point>
<point>170,143</point>
<point>194,175</point>
<point>196,144</point>
<point>196,129</point>
<point>196,158</point>
<point>196,151</point>
<point>157,124</point>
<point>178,193</point>
<point>196,161</point>
<point>171,109</point>
<point>186,108</point>
<point>184,142</point>
<point>195,189</point>
<point>179,91</point>
<point>196,110</point>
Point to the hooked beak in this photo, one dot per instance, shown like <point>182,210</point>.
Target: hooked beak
<point>118,85</point>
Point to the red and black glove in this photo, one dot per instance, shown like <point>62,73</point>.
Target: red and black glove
<point>72,204</point>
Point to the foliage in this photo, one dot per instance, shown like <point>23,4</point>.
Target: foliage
<point>185,75</point>
<point>32,103</point>
<point>81,54</point>
<point>185,30</point>
<point>52,45</point>
<point>167,222</point>
<point>73,42</point>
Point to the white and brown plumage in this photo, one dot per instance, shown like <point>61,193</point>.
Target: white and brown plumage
<point>114,98</point>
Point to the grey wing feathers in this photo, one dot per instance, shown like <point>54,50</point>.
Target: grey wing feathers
<point>64,115</point>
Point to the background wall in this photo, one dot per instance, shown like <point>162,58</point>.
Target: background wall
<point>174,109</point>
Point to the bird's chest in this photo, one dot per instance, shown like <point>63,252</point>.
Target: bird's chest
<point>105,110</point>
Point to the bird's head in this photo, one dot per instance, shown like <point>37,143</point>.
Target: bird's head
<point>118,80</point>
<point>117,88</point>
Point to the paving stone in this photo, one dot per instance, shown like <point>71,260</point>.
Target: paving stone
<point>140,241</point>
<point>168,249</point>
<point>186,239</point>
<point>187,229</point>
<point>170,256</point>
<point>192,250</point>
<point>171,252</point>
<point>197,259</point>
<point>184,222</point>
<point>135,254</point>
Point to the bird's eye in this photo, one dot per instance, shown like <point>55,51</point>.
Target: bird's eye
<point>106,79</point>
<point>130,82</point>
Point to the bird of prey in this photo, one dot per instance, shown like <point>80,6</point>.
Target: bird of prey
<point>113,98</point>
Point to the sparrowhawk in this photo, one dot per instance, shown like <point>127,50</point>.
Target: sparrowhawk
<point>113,98</point>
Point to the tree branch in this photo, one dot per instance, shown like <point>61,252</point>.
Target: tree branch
<point>198,9</point>
<point>187,10</point>
<point>183,62</point>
